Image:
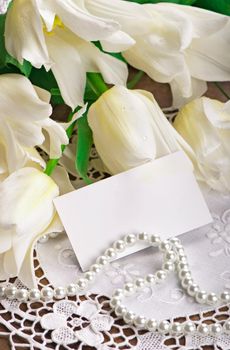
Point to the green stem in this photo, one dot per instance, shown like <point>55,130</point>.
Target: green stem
<point>97,83</point>
<point>137,77</point>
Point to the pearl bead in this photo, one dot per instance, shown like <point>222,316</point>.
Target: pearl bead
<point>169,266</point>
<point>176,328</point>
<point>90,276</point>
<point>11,292</point>
<point>59,293</point>
<point>154,240</point>
<point>193,289</point>
<point>34,294</point>
<point>216,328</point>
<point>71,290</point>
<point>119,245</point>
<point>82,283</point>
<point>130,239</point>
<point>120,310</point>
<point>96,268</point>
<point>203,328</point>
<point>129,288</point>
<point>43,239</point>
<point>129,317</point>
<point>183,259</point>
<point>151,325</point>
<point>150,279</point>
<point>175,240</point>
<point>140,283</point>
<point>47,293</point>
<point>22,294</point>
<point>189,327</point>
<point>111,253</point>
<point>161,275</point>
<point>115,301</point>
<point>187,281</point>
<point>227,326</point>
<point>212,299</point>
<point>201,297</point>
<point>183,266</point>
<point>225,297</point>
<point>164,246</point>
<point>140,321</point>
<point>178,245</point>
<point>118,293</point>
<point>183,273</point>
<point>143,236</point>
<point>102,260</point>
<point>170,255</point>
<point>164,327</point>
<point>2,291</point>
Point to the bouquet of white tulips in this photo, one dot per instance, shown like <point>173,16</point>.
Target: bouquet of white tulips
<point>78,53</point>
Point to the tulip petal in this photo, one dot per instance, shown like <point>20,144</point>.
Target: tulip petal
<point>209,59</point>
<point>204,23</point>
<point>198,88</point>
<point>26,272</point>
<point>133,17</point>
<point>17,91</point>
<point>117,42</point>
<point>57,137</point>
<point>70,77</point>
<point>116,116</point>
<point>61,178</point>
<point>24,37</point>
<point>113,70</point>
<point>15,155</point>
<point>26,202</point>
<point>76,17</point>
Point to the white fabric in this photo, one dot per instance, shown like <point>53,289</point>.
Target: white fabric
<point>85,321</point>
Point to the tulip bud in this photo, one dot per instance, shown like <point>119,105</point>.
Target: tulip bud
<point>204,123</point>
<point>129,129</point>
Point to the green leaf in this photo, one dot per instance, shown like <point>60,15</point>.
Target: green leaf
<point>43,79</point>
<point>221,6</point>
<point>84,144</point>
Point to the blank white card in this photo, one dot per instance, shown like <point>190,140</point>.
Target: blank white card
<point>161,197</point>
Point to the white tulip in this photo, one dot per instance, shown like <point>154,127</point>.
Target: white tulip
<point>82,57</point>
<point>180,45</point>
<point>129,129</point>
<point>205,124</point>
<point>24,116</point>
<point>67,32</point>
<point>27,210</point>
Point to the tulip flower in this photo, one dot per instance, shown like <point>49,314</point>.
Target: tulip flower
<point>48,32</point>
<point>205,125</point>
<point>27,211</point>
<point>180,45</point>
<point>25,123</point>
<point>129,129</point>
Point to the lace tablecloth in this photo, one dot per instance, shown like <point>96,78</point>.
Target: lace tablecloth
<point>87,322</point>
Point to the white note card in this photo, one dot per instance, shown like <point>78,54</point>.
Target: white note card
<point>161,197</point>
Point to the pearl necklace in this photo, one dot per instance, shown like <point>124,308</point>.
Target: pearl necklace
<point>174,259</point>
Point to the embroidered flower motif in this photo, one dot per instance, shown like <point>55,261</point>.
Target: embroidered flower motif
<point>67,316</point>
<point>121,273</point>
<point>220,234</point>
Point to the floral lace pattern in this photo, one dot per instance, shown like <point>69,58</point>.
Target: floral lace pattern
<point>87,322</point>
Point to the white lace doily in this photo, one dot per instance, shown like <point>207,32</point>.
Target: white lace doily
<point>87,322</point>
